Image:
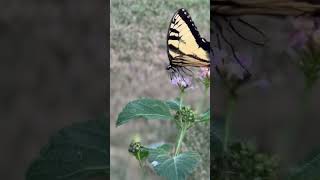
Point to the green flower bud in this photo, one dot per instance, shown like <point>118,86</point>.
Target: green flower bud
<point>186,114</point>
<point>134,147</point>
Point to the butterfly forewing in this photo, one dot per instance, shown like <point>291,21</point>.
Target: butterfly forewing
<point>185,45</point>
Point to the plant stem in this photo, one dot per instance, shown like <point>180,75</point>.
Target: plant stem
<point>230,110</point>
<point>143,173</point>
<point>182,129</point>
<point>179,143</point>
<point>181,97</point>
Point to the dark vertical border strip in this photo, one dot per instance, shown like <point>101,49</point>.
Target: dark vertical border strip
<point>107,76</point>
<point>211,88</point>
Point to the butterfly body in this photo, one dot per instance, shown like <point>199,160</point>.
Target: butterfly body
<point>185,46</point>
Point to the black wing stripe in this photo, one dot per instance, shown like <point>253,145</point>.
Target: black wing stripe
<point>172,47</point>
<point>176,50</point>
<point>173,30</point>
<point>174,38</point>
<point>187,19</point>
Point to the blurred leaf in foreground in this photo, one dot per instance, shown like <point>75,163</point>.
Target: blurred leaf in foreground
<point>310,170</point>
<point>76,152</point>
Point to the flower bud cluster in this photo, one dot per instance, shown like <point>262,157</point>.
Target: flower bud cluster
<point>135,147</point>
<point>186,114</point>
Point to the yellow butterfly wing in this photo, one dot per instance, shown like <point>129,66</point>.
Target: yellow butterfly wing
<point>185,45</point>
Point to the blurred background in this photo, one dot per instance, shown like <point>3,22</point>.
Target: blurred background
<point>53,73</point>
<point>273,114</point>
<point>137,69</point>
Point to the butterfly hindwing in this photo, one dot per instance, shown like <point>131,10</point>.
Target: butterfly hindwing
<point>185,45</point>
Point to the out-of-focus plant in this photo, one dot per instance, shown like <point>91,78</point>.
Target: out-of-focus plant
<point>79,151</point>
<point>167,160</point>
<point>244,162</point>
<point>236,160</point>
<point>304,47</point>
<point>233,77</point>
<point>304,50</point>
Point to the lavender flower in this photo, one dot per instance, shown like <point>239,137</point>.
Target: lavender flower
<point>298,39</point>
<point>304,24</point>
<point>305,42</point>
<point>204,73</point>
<point>234,75</point>
<point>234,69</point>
<point>204,76</point>
<point>304,31</point>
<point>181,82</point>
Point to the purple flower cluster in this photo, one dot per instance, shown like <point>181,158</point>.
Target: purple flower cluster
<point>306,31</point>
<point>228,67</point>
<point>305,44</point>
<point>181,82</point>
<point>204,73</point>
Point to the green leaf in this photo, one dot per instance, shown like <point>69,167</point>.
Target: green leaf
<point>76,152</point>
<point>174,104</point>
<point>308,171</point>
<point>142,154</point>
<point>176,167</point>
<point>204,117</point>
<point>159,151</point>
<point>144,108</point>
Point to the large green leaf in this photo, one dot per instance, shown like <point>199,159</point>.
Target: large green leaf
<point>76,152</point>
<point>174,104</point>
<point>173,167</point>
<point>310,170</point>
<point>144,108</point>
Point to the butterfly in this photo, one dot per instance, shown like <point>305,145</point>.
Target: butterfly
<point>185,46</point>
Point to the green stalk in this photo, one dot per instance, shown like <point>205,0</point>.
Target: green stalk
<point>230,110</point>
<point>179,143</point>
<point>181,97</point>
<point>143,173</point>
<point>182,129</point>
